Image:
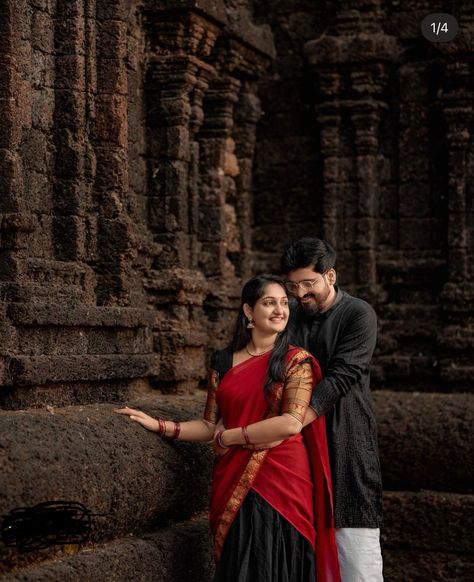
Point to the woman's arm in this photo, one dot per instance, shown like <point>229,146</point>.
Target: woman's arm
<point>296,397</point>
<point>192,430</point>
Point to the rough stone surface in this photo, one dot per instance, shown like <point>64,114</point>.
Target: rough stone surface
<point>426,441</point>
<point>129,477</point>
<point>428,521</point>
<point>371,135</point>
<point>178,553</point>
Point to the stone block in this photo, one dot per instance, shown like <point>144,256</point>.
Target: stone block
<point>405,564</point>
<point>69,237</point>
<point>69,163</point>
<point>187,364</point>
<point>415,199</point>
<point>34,341</point>
<point>112,169</point>
<point>7,32</point>
<point>10,128</point>
<point>111,39</point>
<point>112,10</point>
<point>42,109</point>
<point>127,474</point>
<point>69,109</point>
<point>421,233</point>
<point>28,371</point>
<point>211,224</point>
<point>70,9</point>
<point>70,72</point>
<point>112,76</point>
<point>110,123</point>
<point>178,553</point>
<point>42,32</point>
<point>69,36</point>
<point>428,521</point>
<point>425,440</point>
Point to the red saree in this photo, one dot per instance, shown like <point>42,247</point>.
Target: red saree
<point>294,477</point>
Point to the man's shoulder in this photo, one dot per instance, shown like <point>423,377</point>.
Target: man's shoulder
<point>356,307</point>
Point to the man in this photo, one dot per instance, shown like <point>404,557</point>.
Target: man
<point>340,331</point>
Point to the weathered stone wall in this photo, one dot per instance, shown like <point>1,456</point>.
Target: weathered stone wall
<point>126,169</point>
<point>367,141</point>
<point>153,153</point>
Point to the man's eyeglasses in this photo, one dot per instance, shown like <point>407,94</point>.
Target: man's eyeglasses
<point>306,285</point>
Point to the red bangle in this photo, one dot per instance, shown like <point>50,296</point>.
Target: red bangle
<point>161,426</point>
<point>177,430</point>
<point>219,440</point>
<point>246,435</point>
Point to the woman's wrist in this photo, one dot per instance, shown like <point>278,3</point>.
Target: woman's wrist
<point>220,439</point>
<point>163,429</point>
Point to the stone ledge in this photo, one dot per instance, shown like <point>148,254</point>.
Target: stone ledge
<point>177,554</point>
<point>80,315</point>
<point>426,440</point>
<point>413,566</point>
<point>428,521</point>
<point>105,461</point>
<point>34,370</point>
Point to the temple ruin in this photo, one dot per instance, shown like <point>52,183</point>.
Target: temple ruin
<point>156,153</point>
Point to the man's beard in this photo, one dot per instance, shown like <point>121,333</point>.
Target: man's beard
<point>314,307</point>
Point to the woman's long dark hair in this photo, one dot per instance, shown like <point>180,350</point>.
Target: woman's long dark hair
<point>252,291</point>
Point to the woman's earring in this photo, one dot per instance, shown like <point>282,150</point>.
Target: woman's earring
<point>250,324</point>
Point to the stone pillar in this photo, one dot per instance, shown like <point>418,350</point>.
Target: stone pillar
<point>352,67</point>
<point>178,76</point>
<point>195,81</point>
<point>214,177</point>
<point>456,339</point>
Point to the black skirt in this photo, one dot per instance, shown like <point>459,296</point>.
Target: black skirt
<point>261,546</point>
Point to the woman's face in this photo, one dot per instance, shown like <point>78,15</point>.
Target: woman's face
<point>270,313</point>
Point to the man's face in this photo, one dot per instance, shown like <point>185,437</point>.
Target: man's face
<point>315,291</point>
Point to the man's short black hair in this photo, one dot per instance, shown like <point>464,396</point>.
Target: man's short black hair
<point>308,252</point>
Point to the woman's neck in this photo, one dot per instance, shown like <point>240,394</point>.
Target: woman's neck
<point>262,343</point>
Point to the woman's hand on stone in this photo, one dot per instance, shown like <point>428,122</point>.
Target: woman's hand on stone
<point>140,417</point>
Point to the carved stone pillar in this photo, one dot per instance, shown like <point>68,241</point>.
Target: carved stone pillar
<point>457,337</point>
<point>63,200</point>
<point>177,79</point>
<point>352,68</point>
<point>181,38</point>
<point>214,175</point>
<point>196,72</point>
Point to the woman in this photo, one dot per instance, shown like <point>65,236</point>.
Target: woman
<point>263,501</point>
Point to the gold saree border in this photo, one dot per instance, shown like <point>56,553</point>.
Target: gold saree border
<point>236,500</point>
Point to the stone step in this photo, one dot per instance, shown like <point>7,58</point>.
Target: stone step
<point>179,553</point>
<point>36,370</point>
<point>111,465</point>
<point>63,314</point>
<point>426,536</point>
<point>426,440</point>
<point>428,521</point>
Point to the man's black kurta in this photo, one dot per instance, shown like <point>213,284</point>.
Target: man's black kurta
<point>342,339</point>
